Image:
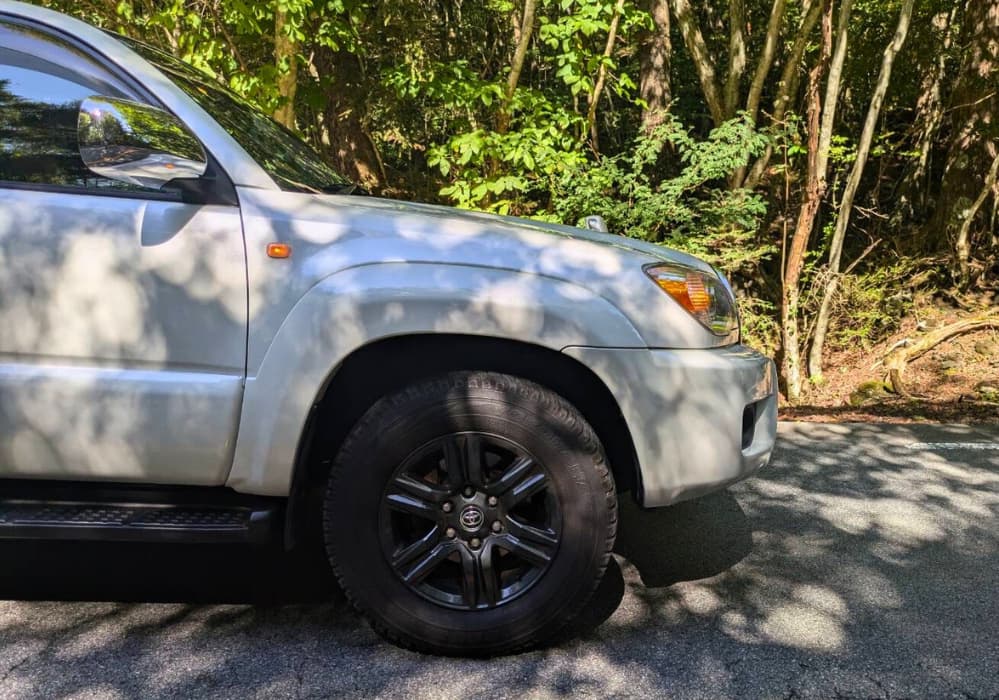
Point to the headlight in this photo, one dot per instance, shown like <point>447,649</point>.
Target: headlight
<point>707,297</point>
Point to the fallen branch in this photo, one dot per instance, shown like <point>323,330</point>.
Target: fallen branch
<point>964,398</point>
<point>899,358</point>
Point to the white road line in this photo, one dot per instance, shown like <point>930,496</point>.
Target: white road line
<point>953,445</point>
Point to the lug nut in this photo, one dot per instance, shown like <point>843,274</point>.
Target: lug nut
<point>497,526</point>
<point>469,492</point>
<point>447,507</point>
<point>493,500</point>
<point>450,532</point>
<point>476,543</point>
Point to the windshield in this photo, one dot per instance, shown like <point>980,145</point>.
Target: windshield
<point>291,162</point>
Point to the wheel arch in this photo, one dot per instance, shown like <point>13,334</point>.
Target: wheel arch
<point>373,370</point>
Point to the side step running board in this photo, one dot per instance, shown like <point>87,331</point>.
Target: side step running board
<point>136,522</point>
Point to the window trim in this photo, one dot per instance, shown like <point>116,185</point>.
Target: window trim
<point>214,167</point>
<point>96,192</point>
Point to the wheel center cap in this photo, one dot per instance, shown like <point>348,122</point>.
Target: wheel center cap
<point>471,518</point>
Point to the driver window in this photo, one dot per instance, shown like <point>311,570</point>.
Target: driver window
<point>42,83</point>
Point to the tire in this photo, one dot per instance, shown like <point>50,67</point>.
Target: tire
<point>444,557</point>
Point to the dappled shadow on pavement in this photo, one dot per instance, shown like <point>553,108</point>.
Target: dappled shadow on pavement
<point>859,564</point>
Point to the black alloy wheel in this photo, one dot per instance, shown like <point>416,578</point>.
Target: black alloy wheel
<point>469,521</point>
<point>470,514</point>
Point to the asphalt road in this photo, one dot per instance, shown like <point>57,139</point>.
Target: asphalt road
<point>859,564</point>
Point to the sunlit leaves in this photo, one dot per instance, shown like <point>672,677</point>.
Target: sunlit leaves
<point>693,211</point>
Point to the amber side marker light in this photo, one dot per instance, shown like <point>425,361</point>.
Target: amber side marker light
<point>278,250</point>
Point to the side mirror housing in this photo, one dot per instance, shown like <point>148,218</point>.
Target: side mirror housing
<point>136,143</point>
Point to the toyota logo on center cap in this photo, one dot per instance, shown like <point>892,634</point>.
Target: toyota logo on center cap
<point>472,518</point>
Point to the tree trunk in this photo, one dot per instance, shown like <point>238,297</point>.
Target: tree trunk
<point>736,55</point>
<point>766,59</point>
<point>794,259</point>
<point>911,196</point>
<point>833,85</point>
<point>351,147</point>
<point>523,40</point>
<point>856,173</point>
<point>598,84</point>
<point>693,39</point>
<point>962,247</point>
<point>975,141</point>
<point>656,54</point>
<point>763,66</point>
<point>286,62</point>
<point>821,114</point>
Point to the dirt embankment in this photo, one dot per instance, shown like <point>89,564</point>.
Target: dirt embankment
<point>955,382</point>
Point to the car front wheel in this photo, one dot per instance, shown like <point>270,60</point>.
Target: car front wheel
<point>472,513</point>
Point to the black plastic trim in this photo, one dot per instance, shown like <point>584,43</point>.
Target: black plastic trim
<point>95,192</point>
<point>135,513</point>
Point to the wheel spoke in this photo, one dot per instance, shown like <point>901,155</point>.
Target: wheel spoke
<point>544,538</point>
<point>489,576</point>
<point>469,579</point>
<point>534,554</point>
<point>414,506</point>
<point>473,460</point>
<point>428,563</point>
<point>418,548</point>
<point>479,582</point>
<point>419,489</point>
<point>463,460</point>
<point>525,489</point>
<point>520,468</point>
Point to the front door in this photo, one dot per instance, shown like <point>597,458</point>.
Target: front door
<point>123,311</point>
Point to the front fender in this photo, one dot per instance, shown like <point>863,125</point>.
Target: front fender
<point>360,305</point>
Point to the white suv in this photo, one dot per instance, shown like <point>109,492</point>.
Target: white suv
<point>206,334</point>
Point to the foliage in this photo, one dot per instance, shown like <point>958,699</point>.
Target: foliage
<point>693,210</point>
<point>502,172</point>
<point>569,35</point>
<point>872,303</point>
<point>760,329</point>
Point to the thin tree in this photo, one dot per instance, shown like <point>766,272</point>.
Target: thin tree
<point>736,55</point>
<point>598,84</point>
<point>850,192</point>
<point>821,118</point>
<point>766,59</point>
<point>693,39</point>
<point>286,63</point>
<point>523,41</point>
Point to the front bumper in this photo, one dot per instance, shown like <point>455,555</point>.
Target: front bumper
<point>699,419</point>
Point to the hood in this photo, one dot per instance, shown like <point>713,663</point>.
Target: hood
<point>331,233</point>
<point>516,227</point>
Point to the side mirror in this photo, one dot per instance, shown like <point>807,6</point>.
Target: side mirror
<point>137,144</point>
<point>595,222</point>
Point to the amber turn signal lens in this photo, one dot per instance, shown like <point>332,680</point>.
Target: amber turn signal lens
<point>705,296</point>
<point>278,250</point>
<point>689,291</point>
